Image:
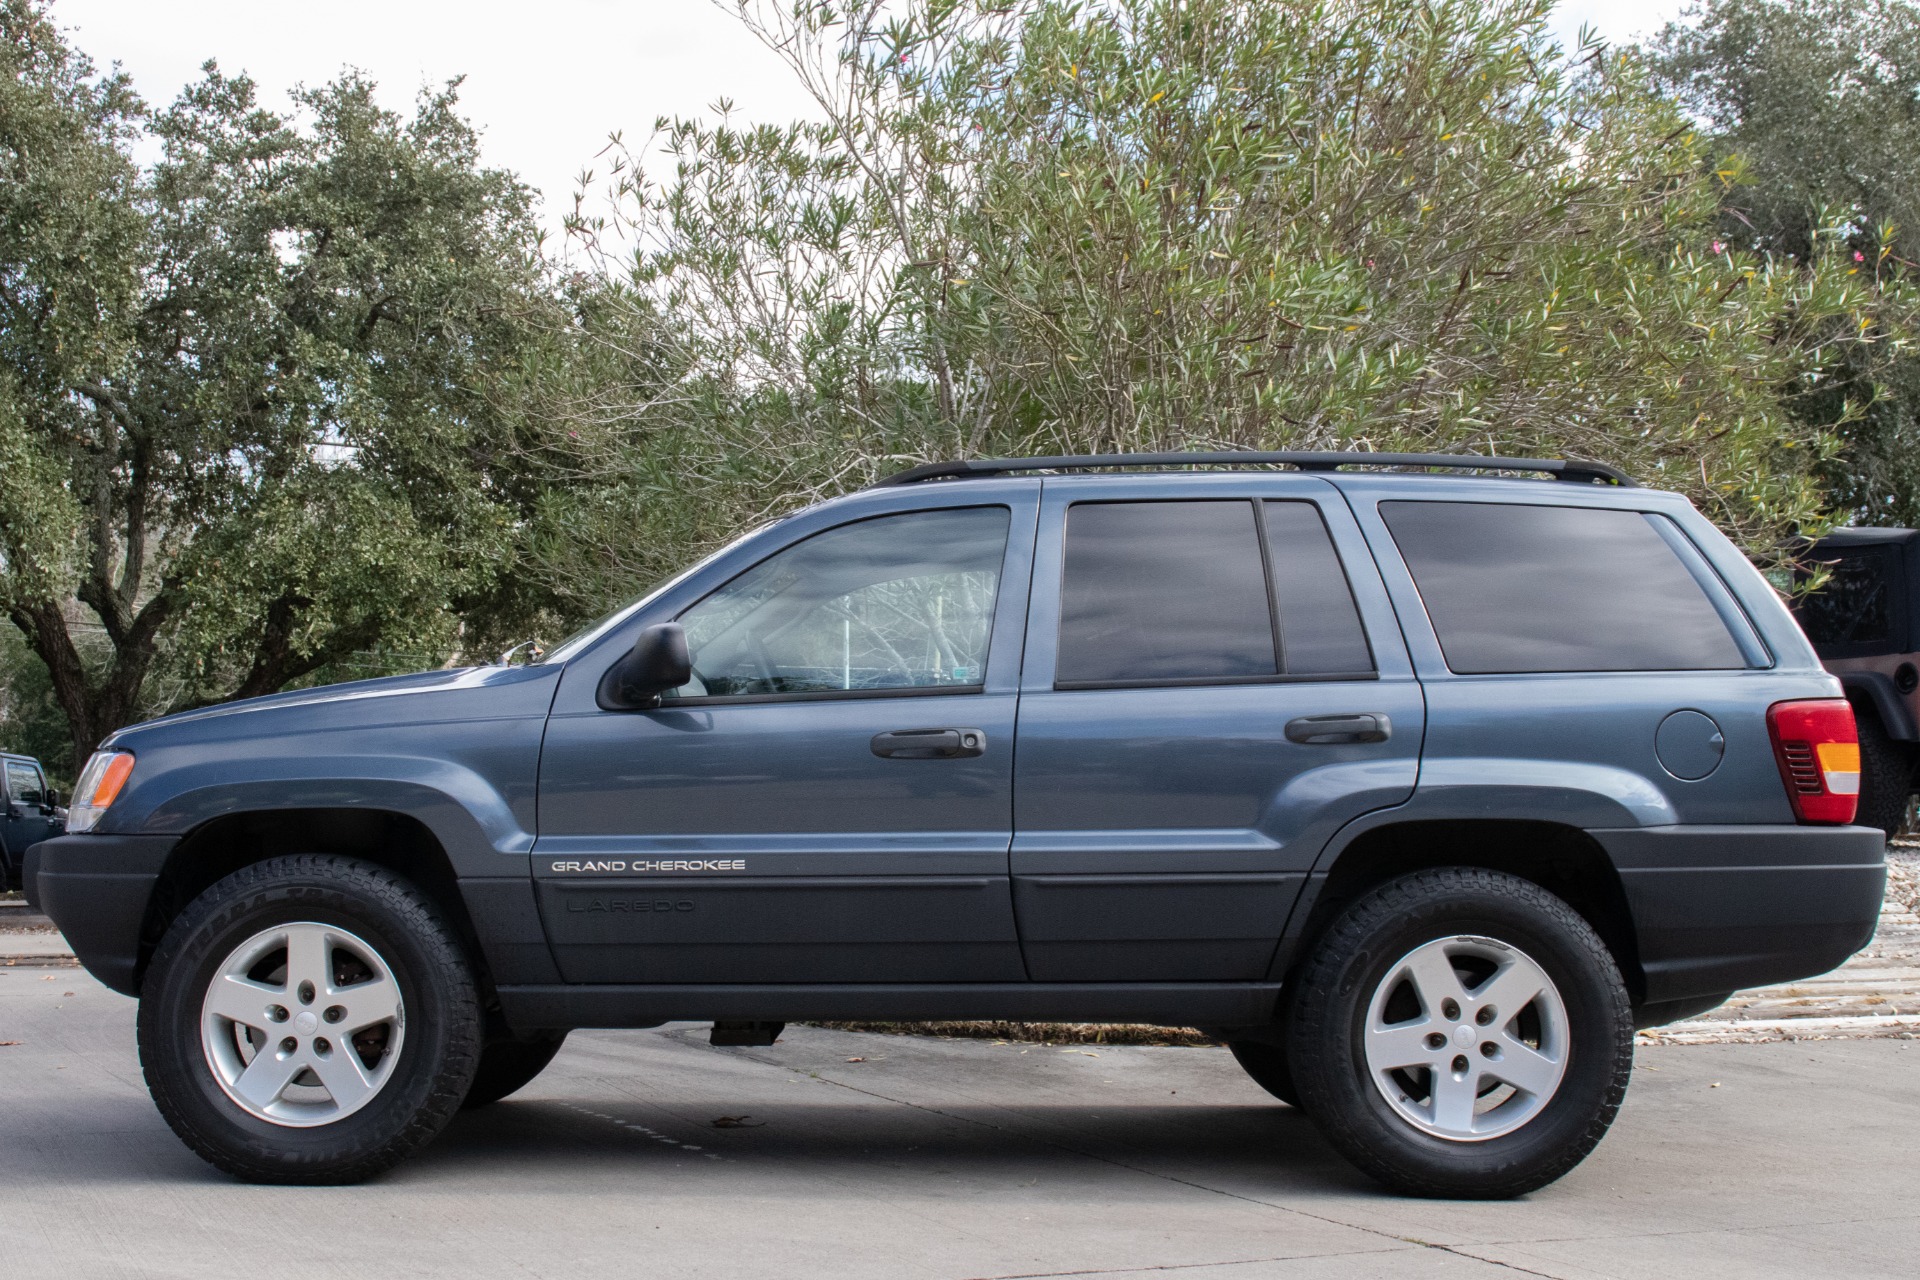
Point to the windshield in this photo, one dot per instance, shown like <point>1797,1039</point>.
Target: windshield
<point>584,637</point>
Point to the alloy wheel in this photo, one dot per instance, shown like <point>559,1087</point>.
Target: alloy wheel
<point>1466,1038</point>
<point>302,1024</point>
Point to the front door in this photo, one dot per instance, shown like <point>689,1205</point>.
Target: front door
<point>830,799</point>
<point>29,816</point>
<point>1214,685</point>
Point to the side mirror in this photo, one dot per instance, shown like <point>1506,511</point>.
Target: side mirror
<point>53,798</point>
<point>657,662</point>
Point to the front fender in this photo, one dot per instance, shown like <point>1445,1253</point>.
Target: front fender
<point>470,817</point>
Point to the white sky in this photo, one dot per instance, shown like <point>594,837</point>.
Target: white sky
<point>546,83</point>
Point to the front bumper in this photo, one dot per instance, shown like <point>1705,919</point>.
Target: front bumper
<point>95,888</point>
<point>1718,909</point>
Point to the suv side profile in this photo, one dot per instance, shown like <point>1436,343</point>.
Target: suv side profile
<point>1417,786</point>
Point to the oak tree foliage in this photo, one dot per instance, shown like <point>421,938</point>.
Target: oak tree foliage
<point>261,400</point>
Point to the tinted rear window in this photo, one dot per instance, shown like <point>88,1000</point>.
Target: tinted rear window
<point>1319,626</point>
<point>1514,588</point>
<point>1163,591</point>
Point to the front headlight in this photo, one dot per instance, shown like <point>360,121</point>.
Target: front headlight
<point>99,786</point>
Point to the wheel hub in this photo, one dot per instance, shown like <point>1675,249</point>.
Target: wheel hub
<point>302,1024</point>
<point>1466,1038</point>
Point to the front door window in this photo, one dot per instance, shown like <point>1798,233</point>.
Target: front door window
<point>885,605</point>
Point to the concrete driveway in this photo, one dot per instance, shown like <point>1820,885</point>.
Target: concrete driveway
<point>841,1155</point>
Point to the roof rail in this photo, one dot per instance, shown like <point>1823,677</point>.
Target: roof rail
<point>1324,460</point>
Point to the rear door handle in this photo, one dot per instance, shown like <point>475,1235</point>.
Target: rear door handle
<point>929,744</point>
<point>1365,726</point>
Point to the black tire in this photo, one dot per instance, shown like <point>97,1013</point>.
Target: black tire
<point>1267,1064</point>
<point>507,1066</point>
<point>1886,774</point>
<point>1355,956</point>
<point>435,1062</point>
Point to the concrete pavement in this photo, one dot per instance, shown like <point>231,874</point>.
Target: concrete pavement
<point>652,1153</point>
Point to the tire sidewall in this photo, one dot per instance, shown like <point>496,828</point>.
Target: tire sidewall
<point>1329,1059</point>
<point>191,955</point>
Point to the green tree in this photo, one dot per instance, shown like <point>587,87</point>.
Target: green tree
<point>263,404</point>
<point>1057,227</point>
<point>1812,104</point>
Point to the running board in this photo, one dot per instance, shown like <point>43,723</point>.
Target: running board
<point>1170,1004</point>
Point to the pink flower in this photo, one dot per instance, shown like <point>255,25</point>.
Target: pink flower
<point>1859,256</point>
<point>1719,246</point>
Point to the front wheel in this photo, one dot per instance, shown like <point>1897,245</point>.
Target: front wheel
<point>308,1019</point>
<point>1459,1032</point>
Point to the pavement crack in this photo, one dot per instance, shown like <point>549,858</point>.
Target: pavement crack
<point>1179,1266</point>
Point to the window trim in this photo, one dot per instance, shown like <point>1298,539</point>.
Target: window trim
<point>843,695</point>
<point>1201,682</point>
<point>1281,675</point>
<point>822,695</point>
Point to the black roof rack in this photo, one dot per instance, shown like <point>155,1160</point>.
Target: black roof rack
<point>1559,468</point>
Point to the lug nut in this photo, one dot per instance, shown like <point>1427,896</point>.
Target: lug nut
<point>1450,1010</point>
<point>1435,1040</point>
<point>1485,1016</point>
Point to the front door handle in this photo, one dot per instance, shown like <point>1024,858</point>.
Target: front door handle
<point>1365,726</point>
<point>929,744</point>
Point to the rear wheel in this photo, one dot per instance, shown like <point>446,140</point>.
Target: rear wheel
<point>1459,1032</point>
<point>507,1066</point>
<point>1886,774</point>
<point>309,1019</point>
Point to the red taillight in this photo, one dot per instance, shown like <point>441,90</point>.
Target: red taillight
<point>1819,753</point>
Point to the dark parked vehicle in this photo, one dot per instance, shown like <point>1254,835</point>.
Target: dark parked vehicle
<point>1865,625</point>
<point>32,813</point>
<point>1418,788</point>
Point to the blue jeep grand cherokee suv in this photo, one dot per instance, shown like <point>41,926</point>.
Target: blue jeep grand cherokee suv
<point>1419,788</point>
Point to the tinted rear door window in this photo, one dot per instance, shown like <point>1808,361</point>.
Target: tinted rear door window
<point>1514,588</point>
<point>1319,626</point>
<point>1158,591</point>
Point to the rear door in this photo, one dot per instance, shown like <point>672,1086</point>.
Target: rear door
<point>1214,683</point>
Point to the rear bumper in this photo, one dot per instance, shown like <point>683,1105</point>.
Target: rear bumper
<point>96,889</point>
<point>1721,908</point>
